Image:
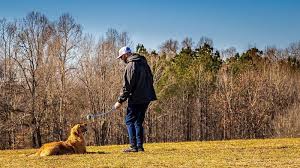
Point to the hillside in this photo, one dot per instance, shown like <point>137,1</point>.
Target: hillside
<point>234,153</point>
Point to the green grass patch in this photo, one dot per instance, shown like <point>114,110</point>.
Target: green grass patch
<point>234,153</point>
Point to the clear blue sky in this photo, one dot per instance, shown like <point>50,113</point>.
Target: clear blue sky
<point>237,23</point>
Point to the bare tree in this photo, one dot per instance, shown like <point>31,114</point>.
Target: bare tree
<point>124,40</point>
<point>32,41</point>
<point>229,53</point>
<point>205,40</point>
<point>68,34</point>
<point>9,93</point>
<point>294,50</point>
<point>169,47</point>
<point>187,43</point>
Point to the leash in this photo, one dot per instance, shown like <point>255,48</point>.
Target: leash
<point>93,116</point>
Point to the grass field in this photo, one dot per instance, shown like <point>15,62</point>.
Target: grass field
<point>235,153</point>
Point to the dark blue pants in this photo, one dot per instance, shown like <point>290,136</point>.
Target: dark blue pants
<point>134,121</point>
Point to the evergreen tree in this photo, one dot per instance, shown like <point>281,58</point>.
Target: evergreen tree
<point>141,49</point>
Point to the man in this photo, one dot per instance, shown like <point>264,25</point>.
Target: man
<point>138,89</point>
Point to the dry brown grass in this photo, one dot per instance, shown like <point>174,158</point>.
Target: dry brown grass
<point>235,153</point>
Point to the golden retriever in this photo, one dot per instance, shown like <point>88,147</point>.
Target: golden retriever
<point>75,143</point>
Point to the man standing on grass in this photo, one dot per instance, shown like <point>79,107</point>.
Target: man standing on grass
<point>138,89</point>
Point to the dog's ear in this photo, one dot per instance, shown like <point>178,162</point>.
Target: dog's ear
<point>75,130</point>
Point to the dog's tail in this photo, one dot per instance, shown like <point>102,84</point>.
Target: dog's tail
<point>38,153</point>
<point>32,154</point>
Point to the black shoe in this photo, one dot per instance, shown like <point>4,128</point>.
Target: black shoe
<point>140,149</point>
<point>131,149</point>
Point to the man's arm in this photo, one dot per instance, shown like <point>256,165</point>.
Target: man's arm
<point>129,78</point>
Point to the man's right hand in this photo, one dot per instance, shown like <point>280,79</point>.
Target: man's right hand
<point>117,105</point>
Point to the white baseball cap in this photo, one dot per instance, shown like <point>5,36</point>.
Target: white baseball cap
<point>124,50</point>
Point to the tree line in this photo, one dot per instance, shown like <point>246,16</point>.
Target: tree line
<point>52,75</point>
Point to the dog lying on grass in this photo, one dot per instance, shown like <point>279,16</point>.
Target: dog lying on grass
<point>75,143</point>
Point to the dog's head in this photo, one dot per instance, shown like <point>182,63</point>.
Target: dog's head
<point>79,129</point>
